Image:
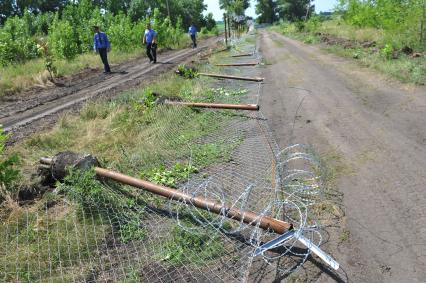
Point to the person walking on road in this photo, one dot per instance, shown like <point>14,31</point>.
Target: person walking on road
<point>102,46</point>
<point>150,40</point>
<point>193,33</point>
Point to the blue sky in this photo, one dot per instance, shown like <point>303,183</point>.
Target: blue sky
<point>213,6</point>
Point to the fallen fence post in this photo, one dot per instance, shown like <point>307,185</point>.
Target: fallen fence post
<point>231,77</point>
<point>254,107</point>
<point>242,55</point>
<point>64,160</point>
<point>237,64</point>
<point>248,217</point>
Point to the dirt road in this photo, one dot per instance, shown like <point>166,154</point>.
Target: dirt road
<point>376,129</point>
<point>38,108</point>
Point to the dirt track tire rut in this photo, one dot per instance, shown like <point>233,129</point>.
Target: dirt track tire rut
<point>18,114</point>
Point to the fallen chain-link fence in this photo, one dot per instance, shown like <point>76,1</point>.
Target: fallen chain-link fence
<point>94,230</point>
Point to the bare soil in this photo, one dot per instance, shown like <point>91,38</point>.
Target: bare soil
<point>39,108</point>
<point>374,130</point>
<point>330,39</point>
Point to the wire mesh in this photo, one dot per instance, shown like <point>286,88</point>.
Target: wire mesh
<point>97,231</point>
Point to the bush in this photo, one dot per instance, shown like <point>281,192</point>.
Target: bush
<point>204,31</point>
<point>187,72</point>
<point>313,24</point>
<point>386,52</point>
<point>215,31</point>
<point>9,173</point>
<point>210,22</point>
<point>61,40</point>
<point>120,33</point>
<point>70,31</point>
<point>7,48</point>
<point>16,43</point>
<point>300,26</point>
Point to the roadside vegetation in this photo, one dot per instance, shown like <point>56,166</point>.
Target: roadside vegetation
<point>135,134</point>
<point>9,170</point>
<point>64,33</point>
<point>388,36</point>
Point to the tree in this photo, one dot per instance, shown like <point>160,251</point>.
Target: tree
<point>38,6</point>
<point>267,11</point>
<point>117,6</point>
<point>138,9</point>
<point>6,10</point>
<point>190,11</point>
<point>210,23</point>
<point>294,10</point>
<point>234,6</point>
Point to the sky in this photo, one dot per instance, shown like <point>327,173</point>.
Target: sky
<point>213,6</point>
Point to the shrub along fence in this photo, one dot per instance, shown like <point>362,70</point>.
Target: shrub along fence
<point>69,32</point>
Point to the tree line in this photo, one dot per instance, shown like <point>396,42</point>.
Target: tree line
<point>187,9</point>
<point>234,7</point>
<point>270,11</point>
<point>65,26</point>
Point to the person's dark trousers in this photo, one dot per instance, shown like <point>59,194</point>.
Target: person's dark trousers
<point>151,52</point>
<point>194,41</point>
<point>104,56</point>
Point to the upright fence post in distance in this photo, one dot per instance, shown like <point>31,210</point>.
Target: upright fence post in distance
<point>226,32</point>
<point>229,26</point>
<point>254,79</point>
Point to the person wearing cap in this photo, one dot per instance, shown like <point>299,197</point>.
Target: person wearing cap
<point>193,33</point>
<point>102,46</point>
<point>150,40</point>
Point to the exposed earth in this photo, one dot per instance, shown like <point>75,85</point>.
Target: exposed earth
<point>375,130</point>
<point>38,108</point>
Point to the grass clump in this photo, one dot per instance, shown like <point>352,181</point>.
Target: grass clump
<point>195,247</point>
<point>187,72</point>
<point>94,197</point>
<point>169,177</point>
<point>44,241</point>
<point>9,171</point>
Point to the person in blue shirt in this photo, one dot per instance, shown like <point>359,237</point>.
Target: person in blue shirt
<point>193,33</point>
<point>150,40</point>
<point>102,46</point>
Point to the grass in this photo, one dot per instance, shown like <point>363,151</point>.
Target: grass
<point>36,237</point>
<point>196,247</point>
<point>344,236</point>
<point>404,68</point>
<point>342,30</point>
<point>331,166</point>
<point>166,144</point>
<point>131,276</point>
<point>125,127</point>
